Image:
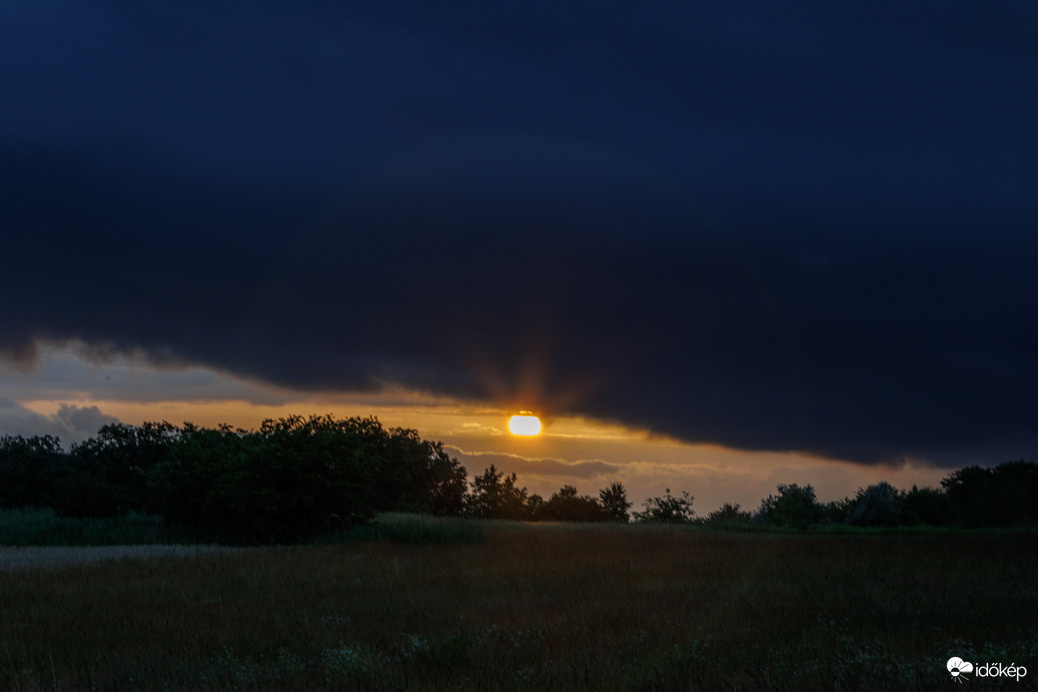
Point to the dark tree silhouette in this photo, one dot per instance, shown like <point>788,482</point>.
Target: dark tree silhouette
<point>877,505</point>
<point>297,477</point>
<point>1006,495</point>
<point>29,469</point>
<point>614,502</point>
<point>567,505</point>
<point>108,472</point>
<point>928,506</point>
<point>668,509</point>
<point>497,496</point>
<point>795,506</point>
<point>728,514</point>
<point>417,476</point>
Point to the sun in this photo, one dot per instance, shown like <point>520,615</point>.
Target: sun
<point>525,423</point>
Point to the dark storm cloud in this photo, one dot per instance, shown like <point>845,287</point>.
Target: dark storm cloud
<point>787,229</point>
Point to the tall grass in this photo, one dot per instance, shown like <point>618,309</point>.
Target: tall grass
<point>41,526</point>
<point>415,530</point>
<point>533,607</point>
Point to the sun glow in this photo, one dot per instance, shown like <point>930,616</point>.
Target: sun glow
<point>524,423</point>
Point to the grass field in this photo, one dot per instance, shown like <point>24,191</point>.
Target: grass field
<point>40,526</point>
<point>453,605</point>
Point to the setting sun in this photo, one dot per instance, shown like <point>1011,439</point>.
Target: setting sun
<point>525,423</point>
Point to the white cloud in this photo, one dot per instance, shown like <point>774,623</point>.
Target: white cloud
<point>71,423</point>
<point>83,419</point>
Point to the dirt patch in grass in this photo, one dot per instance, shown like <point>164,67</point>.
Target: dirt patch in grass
<point>46,557</point>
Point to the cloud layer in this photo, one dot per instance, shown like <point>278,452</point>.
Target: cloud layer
<point>70,424</point>
<point>805,231</point>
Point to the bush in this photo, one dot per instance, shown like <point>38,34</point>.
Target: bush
<point>567,505</point>
<point>88,496</point>
<point>1006,495</point>
<point>928,506</point>
<point>42,526</point>
<point>728,515</point>
<point>497,496</point>
<point>415,530</point>
<point>290,481</point>
<point>614,502</point>
<point>116,464</point>
<point>184,486</point>
<point>415,475</point>
<point>794,507</point>
<point>29,469</point>
<point>668,509</point>
<point>876,505</point>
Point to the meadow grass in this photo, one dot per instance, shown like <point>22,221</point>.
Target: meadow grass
<point>41,526</point>
<point>533,607</point>
<point>415,530</point>
<point>31,526</point>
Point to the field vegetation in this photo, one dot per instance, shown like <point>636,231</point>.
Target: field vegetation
<point>455,604</point>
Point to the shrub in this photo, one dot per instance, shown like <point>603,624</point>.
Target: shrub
<point>567,505</point>
<point>116,463</point>
<point>928,506</point>
<point>668,509</point>
<point>88,496</point>
<point>416,530</point>
<point>415,475</point>
<point>291,480</point>
<point>29,468</point>
<point>728,514</point>
<point>794,507</point>
<point>876,505</point>
<point>614,502</point>
<point>497,496</point>
<point>1006,495</point>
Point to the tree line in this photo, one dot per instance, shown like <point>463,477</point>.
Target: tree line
<point>295,478</point>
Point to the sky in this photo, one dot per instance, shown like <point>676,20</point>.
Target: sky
<point>716,246</point>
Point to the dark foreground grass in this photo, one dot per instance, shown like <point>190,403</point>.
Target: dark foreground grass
<point>415,530</point>
<point>535,607</point>
<point>42,527</point>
